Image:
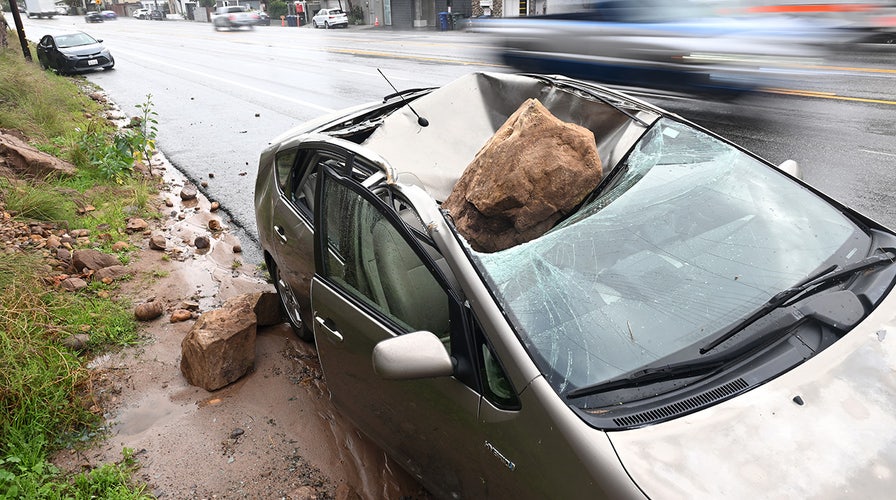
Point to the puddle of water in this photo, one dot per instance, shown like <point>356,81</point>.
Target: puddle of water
<point>153,411</point>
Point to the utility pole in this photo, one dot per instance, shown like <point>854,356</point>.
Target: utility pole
<point>18,20</point>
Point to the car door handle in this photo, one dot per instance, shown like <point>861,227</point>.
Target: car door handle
<point>328,326</point>
<point>280,233</point>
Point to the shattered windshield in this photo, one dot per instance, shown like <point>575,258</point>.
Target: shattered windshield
<point>690,235</point>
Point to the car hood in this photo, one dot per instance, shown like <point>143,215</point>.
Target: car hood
<point>825,429</point>
<point>82,50</point>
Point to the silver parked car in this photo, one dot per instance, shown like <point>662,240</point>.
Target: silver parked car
<point>703,325</point>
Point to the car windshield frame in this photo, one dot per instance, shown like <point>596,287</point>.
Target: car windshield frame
<point>73,40</point>
<point>685,237</point>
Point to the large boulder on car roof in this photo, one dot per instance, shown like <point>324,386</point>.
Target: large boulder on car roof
<point>532,172</point>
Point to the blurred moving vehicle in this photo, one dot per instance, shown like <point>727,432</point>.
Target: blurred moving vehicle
<point>234,17</point>
<point>73,52</point>
<point>40,8</point>
<point>859,21</point>
<point>93,17</point>
<point>263,18</point>
<point>330,18</point>
<point>677,48</point>
<point>109,15</point>
<point>141,14</point>
<point>700,313</point>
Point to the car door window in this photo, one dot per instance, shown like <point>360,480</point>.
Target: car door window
<point>306,178</point>
<point>371,258</point>
<point>297,175</point>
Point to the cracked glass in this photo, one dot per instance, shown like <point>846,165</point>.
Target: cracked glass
<point>689,235</point>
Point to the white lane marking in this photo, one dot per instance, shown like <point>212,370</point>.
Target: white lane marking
<point>371,73</point>
<point>878,152</point>
<point>231,83</point>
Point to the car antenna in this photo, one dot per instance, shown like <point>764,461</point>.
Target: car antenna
<point>423,122</point>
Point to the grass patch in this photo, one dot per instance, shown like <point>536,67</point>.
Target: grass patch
<point>39,103</point>
<point>44,398</point>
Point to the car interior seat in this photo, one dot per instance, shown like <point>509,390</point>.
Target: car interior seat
<point>410,291</point>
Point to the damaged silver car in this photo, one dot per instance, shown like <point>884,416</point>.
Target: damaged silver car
<point>694,322</point>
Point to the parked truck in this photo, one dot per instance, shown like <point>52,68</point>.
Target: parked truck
<point>40,8</point>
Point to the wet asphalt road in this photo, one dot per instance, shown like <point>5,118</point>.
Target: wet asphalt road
<point>221,97</point>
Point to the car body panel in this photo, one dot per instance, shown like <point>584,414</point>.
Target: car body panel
<point>493,450</point>
<point>836,412</point>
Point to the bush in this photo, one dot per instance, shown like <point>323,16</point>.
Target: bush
<point>356,15</point>
<point>277,8</point>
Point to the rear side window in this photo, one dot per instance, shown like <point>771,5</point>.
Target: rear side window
<point>284,161</point>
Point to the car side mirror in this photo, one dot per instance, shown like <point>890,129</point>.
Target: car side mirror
<point>411,356</point>
<point>791,167</point>
<point>99,40</point>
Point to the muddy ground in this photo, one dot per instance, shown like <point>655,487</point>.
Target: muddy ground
<point>271,434</point>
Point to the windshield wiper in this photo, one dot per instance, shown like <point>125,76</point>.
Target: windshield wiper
<point>652,374</point>
<point>828,276</point>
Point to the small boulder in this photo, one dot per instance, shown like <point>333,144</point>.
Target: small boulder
<point>189,305</point>
<point>148,311</point>
<point>76,342</point>
<point>110,273</point>
<point>157,242</point>
<point>265,305</point>
<point>181,315</point>
<point>136,225</point>
<point>189,192</point>
<point>92,259</point>
<point>120,246</point>
<point>73,284</point>
<point>201,242</point>
<point>220,347</point>
<point>64,254</point>
<point>21,157</point>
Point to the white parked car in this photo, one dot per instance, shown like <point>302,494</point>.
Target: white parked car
<point>330,18</point>
<point>141,14</point>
